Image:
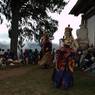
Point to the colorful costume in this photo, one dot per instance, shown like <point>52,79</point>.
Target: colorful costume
<point>65,62</point>
<point>46,48</point>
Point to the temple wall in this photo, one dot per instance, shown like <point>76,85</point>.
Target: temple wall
<point>91,30</point>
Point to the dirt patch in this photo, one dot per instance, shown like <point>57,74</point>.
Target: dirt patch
<point>13,72</point>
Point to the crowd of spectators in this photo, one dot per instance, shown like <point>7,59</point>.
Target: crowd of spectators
<point>27,56</point>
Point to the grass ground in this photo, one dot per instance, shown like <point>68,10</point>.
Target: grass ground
<point>36,81</point>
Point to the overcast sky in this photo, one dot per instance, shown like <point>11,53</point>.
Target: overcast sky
<point>64,19</point>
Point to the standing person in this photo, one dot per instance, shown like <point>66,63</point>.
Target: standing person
<point>64,68</point>
<point>53,55</point>
<point>31,58</point>
<point>46,49</point>
<point>43,41</point>
<point>26,56</point>
<point>35,56</point>
<point>65,61</point>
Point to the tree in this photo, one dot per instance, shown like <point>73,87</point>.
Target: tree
<point>36,10</point>
<point>10,8</point>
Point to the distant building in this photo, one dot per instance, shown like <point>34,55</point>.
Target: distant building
<point>86,33</point>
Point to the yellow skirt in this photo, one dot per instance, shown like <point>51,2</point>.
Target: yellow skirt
<point>46,59</point>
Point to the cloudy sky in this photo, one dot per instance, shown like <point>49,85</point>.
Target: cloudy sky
<point>4,32</point>
<point>64,19</point>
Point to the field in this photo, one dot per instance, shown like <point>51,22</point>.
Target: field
<point>32,80</point>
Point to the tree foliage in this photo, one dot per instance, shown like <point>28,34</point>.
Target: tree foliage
<point>33,16</point>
